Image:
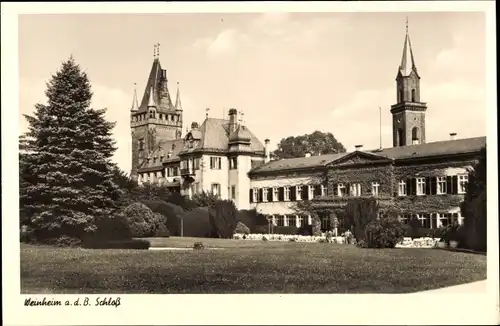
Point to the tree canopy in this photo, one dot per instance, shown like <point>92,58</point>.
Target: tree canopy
<point>66,173</point>
<point>316,143</point>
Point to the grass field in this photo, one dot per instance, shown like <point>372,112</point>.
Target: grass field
<point>245,267</point>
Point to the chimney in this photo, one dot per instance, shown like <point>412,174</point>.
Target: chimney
<point>358,147</point>
<point>266,151</point>
<point>308,154</point>
<point>453,135</point>
<point>233,116</point>
<point>194,125</point>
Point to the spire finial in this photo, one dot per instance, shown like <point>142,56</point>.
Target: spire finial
<point>154,51</point>
<point>135,104</point>
<point>157,50</point>
<point>206,112</point>
<point>406,24</point>
<point>178,104</point>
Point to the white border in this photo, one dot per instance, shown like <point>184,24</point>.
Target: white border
<point>244,309</point>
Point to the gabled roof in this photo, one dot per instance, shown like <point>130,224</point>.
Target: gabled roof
<point>440,148</point>
<point>214,135</point>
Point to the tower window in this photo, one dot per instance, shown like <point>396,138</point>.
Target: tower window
<point>401,99</point>
<point>413,95</point>
<point>414,136</point>
<point>141,144</point>
<point>161,116</point>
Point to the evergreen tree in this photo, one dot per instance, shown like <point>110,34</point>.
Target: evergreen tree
<point>65,161</point>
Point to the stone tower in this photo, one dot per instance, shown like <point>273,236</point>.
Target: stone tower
<point>408,114</point>
<point>156,118</point>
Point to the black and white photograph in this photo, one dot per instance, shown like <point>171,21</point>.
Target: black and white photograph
<point>268,154</point>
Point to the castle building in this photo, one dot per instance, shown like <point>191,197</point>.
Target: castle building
<point>414,178</point>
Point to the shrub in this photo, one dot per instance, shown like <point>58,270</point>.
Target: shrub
<point>172,212</point>
<point>197,223</point>
<point>241,229</point>
<point>359,213</point>
<point>263,229</point>
<point>223,218</point>
<point>162,232</point>
<point>26,234</point>
<point>251,218</point>
<point>415,227</point>
<point>141,220</point>
<point>205,199</point>
<point>117,244</point>
<point>288,230</point>
<point>316,224</point>
<point>65,241</point>
<point>362,244</point>
<point>114,227</point>
<point>180,200</point>
<point>198,245</point>
<point>305,230</point>
<point>383,233</point>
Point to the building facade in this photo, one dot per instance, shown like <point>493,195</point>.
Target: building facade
<point>413,178</point>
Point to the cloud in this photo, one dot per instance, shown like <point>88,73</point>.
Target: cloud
<point>265,32</point>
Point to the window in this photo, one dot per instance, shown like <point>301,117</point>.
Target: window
<point>292,221</point>
<point>176,171</point>
<point>375,188</point>
<point>413,95</point>
<point>215,163</point>
<point>400,96</point>
<point>170,172</point>
<point>216,189</point>
<point>441,185</point>
<point>355,189</point>
<point>311,192</point>
<point>276,192</point>
<point>280,220</point>
<point>444,219</point>
<point>255,195</point>
<point>299,192</point>
<point>233,163</point>
<point>462,183</point>
<point>420,186</point>
<point>341,190</point>
<point>287,193</point>
<point>161,116</point>
<point>233,192</point>
<point>414,136</point>
<point>301,221</point>
<point>323,190</point>
<point>197,163</point>
<point>404,218</point>
<point>141,144</point>
<point>264,194</point>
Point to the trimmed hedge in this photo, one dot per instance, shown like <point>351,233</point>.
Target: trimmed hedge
<point>141,220</point>
<point>197,224</point>
<point>241,228</point>
<point>117,244</point>
<point>383,233</point>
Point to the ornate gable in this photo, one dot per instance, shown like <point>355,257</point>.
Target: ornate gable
<point>360,158</point>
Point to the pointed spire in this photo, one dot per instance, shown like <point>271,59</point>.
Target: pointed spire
<point>407,60</point>
<point>178,104</point>
<point>135,104</point>
<point>151,102</point>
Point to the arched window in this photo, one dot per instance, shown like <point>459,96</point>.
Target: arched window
<point>401,140</point>
<point>414,135</point>
<point>413,95</point>
<point>400,96</point>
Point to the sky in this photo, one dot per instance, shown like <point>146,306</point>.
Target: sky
<point>290,73</point>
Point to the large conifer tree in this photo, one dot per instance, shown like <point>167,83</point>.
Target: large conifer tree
<point>65,161</point>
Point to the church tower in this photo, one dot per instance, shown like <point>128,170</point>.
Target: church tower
<point>408,114</point>
<point>156,118</point>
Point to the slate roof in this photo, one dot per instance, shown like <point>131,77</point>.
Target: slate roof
<point>448,147</point>
<point>158,83</point>
<point>214,135</point>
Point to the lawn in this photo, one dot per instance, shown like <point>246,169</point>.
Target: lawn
<point>245,267</point>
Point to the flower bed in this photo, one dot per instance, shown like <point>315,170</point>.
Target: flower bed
<point>406,243</point>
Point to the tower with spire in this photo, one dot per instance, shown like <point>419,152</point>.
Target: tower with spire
<point>155,119</point>
<point>408,114</point>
